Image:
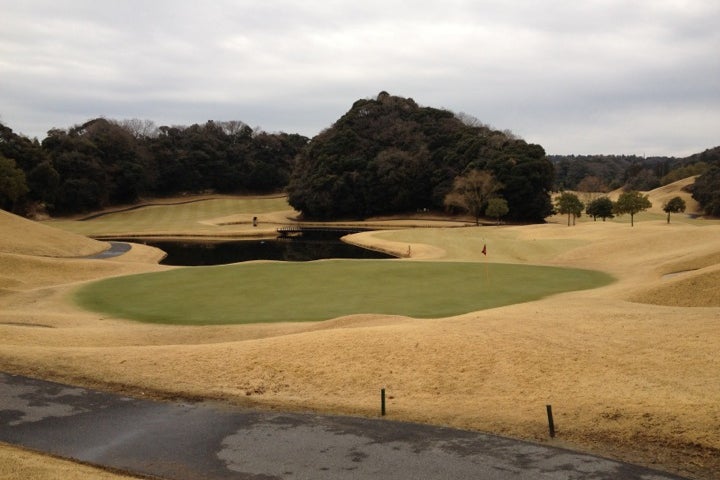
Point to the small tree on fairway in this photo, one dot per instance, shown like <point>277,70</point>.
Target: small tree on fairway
<point>497,208</point>
<point>674,205</point>
<point>569,204</point>
<point>631,202</point>
<point>600,207</point>
<point>471,192</point>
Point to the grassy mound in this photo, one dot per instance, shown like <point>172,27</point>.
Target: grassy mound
<point>281,292</point>
<point>22,236</point>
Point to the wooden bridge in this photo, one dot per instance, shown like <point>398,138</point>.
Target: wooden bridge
<point>298,230</point>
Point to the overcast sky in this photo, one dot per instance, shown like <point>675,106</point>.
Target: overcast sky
<point>577,76</point>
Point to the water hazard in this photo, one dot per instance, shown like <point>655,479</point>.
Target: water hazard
<point>297,249</point>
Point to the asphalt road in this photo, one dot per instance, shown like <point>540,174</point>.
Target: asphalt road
<point>213,441</point>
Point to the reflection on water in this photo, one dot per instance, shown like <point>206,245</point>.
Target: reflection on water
<point>301,249</point>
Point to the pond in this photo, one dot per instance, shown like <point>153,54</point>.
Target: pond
<point>296,249</point>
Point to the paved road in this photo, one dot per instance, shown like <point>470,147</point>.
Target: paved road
<point>212,441</point>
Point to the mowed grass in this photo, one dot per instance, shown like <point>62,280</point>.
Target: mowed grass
<point>313,291</point>
<point>185,217</point>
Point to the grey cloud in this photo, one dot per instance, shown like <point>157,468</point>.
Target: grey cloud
<point>572,76</point>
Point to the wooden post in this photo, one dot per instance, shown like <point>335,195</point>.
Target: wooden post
<point>382,402</point>
<point>551,423</point>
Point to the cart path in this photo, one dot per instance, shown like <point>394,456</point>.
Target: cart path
<point>215,441</point>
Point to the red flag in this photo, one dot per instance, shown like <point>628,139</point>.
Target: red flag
<point>484,250</point>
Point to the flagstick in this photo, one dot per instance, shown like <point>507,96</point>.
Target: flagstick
<point>485,262</point>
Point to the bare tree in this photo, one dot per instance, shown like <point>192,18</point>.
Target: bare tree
<point>472,191</point>
<point>591,188</point>
<point>232,127</point>
<point>138,128</point>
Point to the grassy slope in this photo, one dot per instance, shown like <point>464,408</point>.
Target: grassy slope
<point>201,217</point>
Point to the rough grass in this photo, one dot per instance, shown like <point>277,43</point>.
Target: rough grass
<point>16,463</point>
<point>313,291</point>
<point>627,378</point>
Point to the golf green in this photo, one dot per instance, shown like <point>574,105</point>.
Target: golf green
<point>309,291</point>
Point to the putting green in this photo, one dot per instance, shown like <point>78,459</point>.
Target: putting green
<point>310,291</point>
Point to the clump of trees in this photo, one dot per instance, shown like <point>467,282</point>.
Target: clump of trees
<point>601,207</point>
<point>630,202</point>
<point>389,155</point>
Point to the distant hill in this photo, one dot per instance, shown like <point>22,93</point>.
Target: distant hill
<point>629,171</point>
<point>661,195</point>
<point>389,155</point>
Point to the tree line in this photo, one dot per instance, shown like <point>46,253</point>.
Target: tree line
<point>386,155</point>
<point>106,162</point>
<point>630,202</point>
<point>629,172</point>
<point>602,173</point>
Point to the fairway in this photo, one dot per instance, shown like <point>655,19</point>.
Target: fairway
<point>313,291</point>
<point>187,217</point>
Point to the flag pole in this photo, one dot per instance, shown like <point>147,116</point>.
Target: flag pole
<point>484,252</point>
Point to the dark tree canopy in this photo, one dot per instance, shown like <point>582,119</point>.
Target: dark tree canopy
<point>600,207</point>
<point>106,162</point>
<point>12,183</point>
<point>386,155</point>
<point>674,205</point>
<point>389,155</point>
<point>628,171</point>
<point>631,202</point>
<point>569,204</point>
<point>707,186</point>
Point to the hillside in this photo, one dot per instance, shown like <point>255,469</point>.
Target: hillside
<point>659,196</point>
<point>26,237</point>
<point>33,255</point>
<point>629,171</point>
<point>662,195</point>
<point>391,156</point>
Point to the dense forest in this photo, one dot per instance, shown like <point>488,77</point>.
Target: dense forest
<point>389,155</point>
<point>386,155</point>
<point>628,171</point>
<point>105,162</point>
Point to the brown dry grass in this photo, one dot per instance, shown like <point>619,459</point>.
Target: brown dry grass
<point>22,464</point>
<point>630,368</point>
